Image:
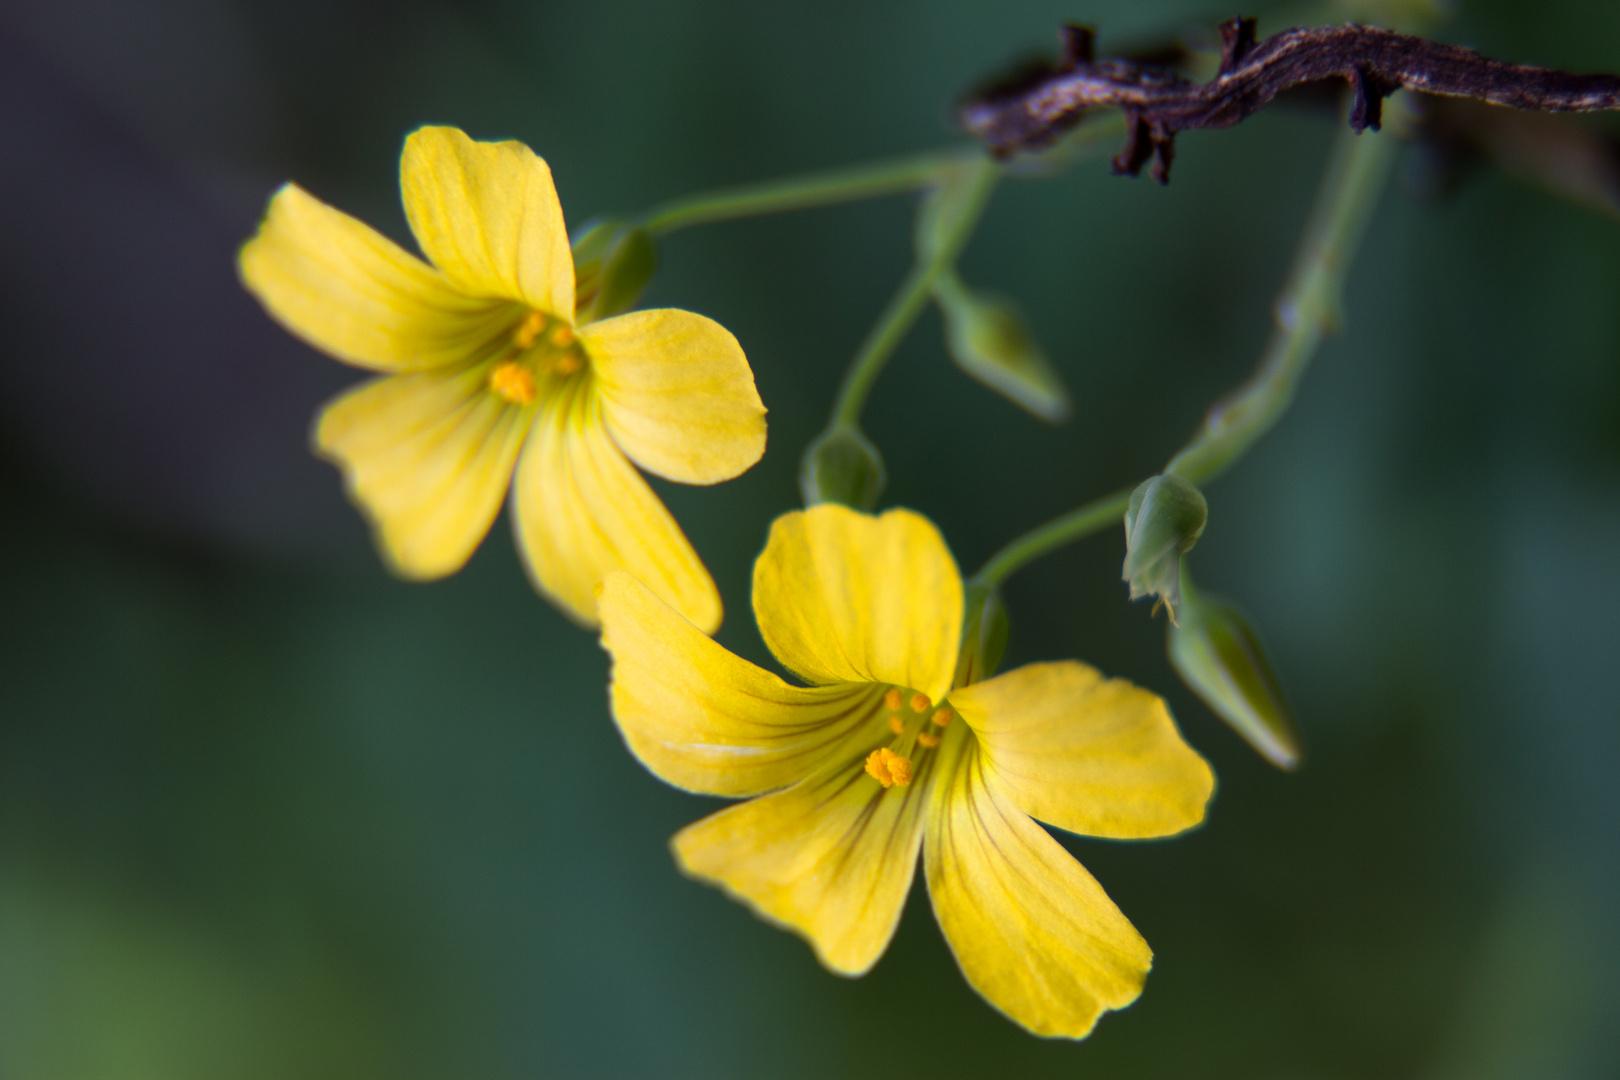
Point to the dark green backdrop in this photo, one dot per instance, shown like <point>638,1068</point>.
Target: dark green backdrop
<point>265,812</point>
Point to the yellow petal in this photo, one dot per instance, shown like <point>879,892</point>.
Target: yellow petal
<point>1032,931</point>
<point>428,457</point>
<point>677,394</point>
<point>351,292</point>
<point>707,721</point>
<point>1088,754</point>
<point>842,596</point>
<point>582,511</point>
<point>487,215</point>
<point>831,859</point>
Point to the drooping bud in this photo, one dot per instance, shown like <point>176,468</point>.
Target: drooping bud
<point>842,466</point>
<point>1217,654</point>
<point>613,262</point>
<point>984,635</point>
<point>988,339</point>
<point>1164,520</point>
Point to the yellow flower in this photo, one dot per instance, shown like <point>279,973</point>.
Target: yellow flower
<point>883,755</point>
<point>487,374</point>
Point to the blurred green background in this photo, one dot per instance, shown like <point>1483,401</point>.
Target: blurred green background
<point>265,812</point>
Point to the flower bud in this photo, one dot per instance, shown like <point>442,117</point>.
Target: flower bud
<point>613,262</point>
<point>842,466</point>
<point>1218,656</point>
<point>988,339</point>
<point>1165,518</point>
<point>984,634</point>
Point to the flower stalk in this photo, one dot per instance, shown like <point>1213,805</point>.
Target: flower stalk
<point>1310,307</point>
<point>944,224</point>
<point>1307,311</point>
<point>1077,524</point>
<point>894,176</point>
<point>945,221</point>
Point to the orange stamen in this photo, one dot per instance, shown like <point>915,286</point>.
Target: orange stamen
<point>893,698</point>
<point>888,768</point>
<point>513,382</point>
<point>562,336</point>
<point>928,739</point>
<point>900,770</point>
<point>943,716</point>
<point>919,702</point>
<point>525,335</point>
<point>896,725</point>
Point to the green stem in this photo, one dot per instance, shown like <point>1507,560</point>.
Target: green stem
<point>892,177</point>
<point>903,309</point>
<point>895,176</point>
<point>1308,310</point>
<point>960,201</point>
<point>1093,517</point>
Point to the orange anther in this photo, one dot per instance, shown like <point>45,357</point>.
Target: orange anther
<point>513,382</point>
<point>919,702</point>
<point>927,738</point>
<point>888,768</point>
<point>896,725</point>
<point>943,716</point>
<point>561,335</point>
<point>893,698</point>
<point>900,770</point>
<point>525,334</point>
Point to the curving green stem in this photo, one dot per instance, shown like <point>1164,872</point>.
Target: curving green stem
<point>892,177</point>
<point>945,223</point>
<point>885,336</point>
<point>962,177</point>
<point>1093,517</point>
<point>1310,305</point>
<point>1307,312</point>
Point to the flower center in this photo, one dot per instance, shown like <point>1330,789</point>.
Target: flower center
<point>513,382</point>
<point>917,728</point>
<point>540,346</point>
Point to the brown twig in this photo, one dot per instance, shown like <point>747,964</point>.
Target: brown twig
<point>1035,108</point>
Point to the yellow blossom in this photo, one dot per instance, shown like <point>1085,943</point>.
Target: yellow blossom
<point>868,611</point>
<point>489,384</point>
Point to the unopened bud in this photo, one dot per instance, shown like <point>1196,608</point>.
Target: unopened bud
<point>842,466</point>
<point>1165,518</point>
<point>984,634</point>
<point>613,262</point>
<point>988,339</point>
<point>1218,656</point>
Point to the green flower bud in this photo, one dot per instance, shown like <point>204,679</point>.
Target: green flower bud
<point>842,466</point>
<point>613,262</point>
<point>1218,656</point>
<point>1165,519</point>
<point>987,338</point>
<point>984,634</point>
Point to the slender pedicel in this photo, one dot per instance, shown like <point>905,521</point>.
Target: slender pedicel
<point>1157,103</point>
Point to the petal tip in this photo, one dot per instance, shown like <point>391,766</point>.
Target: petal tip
<point>844,967</point>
